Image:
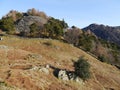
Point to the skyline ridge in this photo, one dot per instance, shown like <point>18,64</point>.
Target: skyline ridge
<point>79,13</point>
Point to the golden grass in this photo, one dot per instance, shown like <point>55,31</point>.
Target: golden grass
<point>59,55</point>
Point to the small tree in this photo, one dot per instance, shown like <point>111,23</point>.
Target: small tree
<point>82,69</point>
<point>55,28</point>
<point>34,30</point>
<point>7,24</point>
<point>102,58</point>
<point>72,35</point>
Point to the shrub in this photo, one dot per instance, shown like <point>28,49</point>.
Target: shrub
<point>72,35</point>
<point>7,24</point>
<point>55,28</point>
<point>102,58</point>
<point>82,69</point>
<point>34,30</point>
<point>85,41</point>
<point>35,12</point>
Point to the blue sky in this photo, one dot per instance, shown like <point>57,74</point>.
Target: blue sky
<point>80,13</point>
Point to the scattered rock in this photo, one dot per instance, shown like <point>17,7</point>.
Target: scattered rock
<point>71,76</point>
<point>35,68</point>
<point>79,80</point>
<point>45,70</point>
<point>63,75</point>
<point>57,47</point>
<point>3,47</point>
<point>68,75</point>
<point>47,66</point>
<point>41,69</point>
<point>1,38</point>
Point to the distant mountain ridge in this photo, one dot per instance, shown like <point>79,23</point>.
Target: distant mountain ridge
<point>108,33</point>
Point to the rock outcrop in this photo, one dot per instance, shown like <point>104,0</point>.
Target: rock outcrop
<point>23,24</point>
<point>62,74</point>
<point>67,75</point>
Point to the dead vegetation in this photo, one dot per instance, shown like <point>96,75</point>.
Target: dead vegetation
<point>19,55</point>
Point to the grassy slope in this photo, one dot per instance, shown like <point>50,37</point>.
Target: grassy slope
<point>14,59</point>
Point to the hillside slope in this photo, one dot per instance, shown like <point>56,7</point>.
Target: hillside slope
<point>20,56</point>
<point>86,40</point>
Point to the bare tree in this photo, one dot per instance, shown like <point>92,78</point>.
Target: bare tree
<point>72,35</point>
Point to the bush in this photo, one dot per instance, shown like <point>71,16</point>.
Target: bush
<point>85,41</point>
<point>102,58</point>
<point>82,69</point>
<point>54,28</point>
<point>34,30</point>
<point>72,35</point>
<point>7,24</point>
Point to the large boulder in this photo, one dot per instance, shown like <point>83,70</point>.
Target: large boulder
<point>68,75</point>
<point>23,24</point>
<point>63,75</point>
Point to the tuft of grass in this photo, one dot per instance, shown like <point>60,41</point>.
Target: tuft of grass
<point>48,43</point>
